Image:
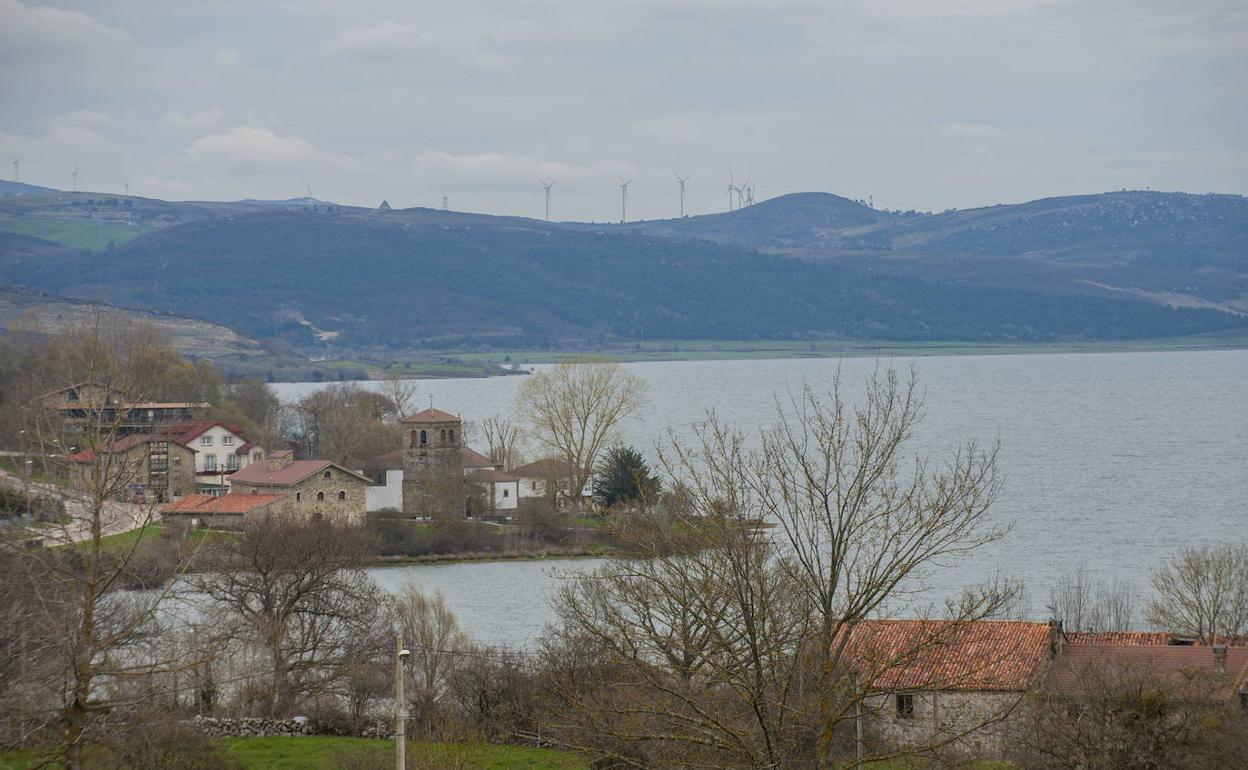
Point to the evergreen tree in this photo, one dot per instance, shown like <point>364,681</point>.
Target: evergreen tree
<point>624,475</point>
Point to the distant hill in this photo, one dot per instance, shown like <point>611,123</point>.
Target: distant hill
<point>1169,248</point>
<point>8,188</point>
<point>355,279</point>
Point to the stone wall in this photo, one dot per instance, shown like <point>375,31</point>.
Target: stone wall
<point>215,727</point>
<point>978,724</point>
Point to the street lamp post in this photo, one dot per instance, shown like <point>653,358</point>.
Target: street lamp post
<point>400,706</point>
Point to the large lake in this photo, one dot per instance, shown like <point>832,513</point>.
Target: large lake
<point>1111,460</point>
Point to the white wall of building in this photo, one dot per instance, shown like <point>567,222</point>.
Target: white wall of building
<point>388,495</point>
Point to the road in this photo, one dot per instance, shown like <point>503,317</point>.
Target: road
<point>116,517</point>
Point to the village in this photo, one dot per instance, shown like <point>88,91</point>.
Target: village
<point>978,684</point>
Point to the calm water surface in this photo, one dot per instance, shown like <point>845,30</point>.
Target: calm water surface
<point>1111,460</point>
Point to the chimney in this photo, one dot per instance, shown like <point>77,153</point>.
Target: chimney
<point>280,459</point>
<point>1219,657</point>
<point>1055,637</point>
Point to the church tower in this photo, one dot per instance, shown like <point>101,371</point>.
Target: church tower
<point>433,468</point>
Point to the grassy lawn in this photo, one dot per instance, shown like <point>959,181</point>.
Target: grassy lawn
<point>124,541</point>
<point>328,753</point>
<point>325,752</point>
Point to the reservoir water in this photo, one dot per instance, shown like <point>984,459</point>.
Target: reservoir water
<point>1110,460</point>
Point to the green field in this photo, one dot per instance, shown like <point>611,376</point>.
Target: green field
<point>78,233</point>
<point>329,753</point>
<point>707,350</point>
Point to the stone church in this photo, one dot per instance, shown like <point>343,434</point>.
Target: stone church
<point>433,468</point>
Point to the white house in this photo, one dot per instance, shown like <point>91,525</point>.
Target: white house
<point>501,490</point>
<point>536,477</point>
<point>220,450</point>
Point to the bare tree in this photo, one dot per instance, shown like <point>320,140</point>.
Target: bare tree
<point>716,611</point>
<point>501,436</point>
<point>429,628</point>
<point>862,520</point>
<point>399,390</point>
<point>84,637</point>
<point>573,410</point>
<point>1084,603</point>
<point>343,423</point>
<point>293,589</point>
<point>1105,712</point>
<point>1203,592</point>
<point>692,653</point>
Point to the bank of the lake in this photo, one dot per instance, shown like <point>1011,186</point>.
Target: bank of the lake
<point>474,363</point>
<point>1110,460</point>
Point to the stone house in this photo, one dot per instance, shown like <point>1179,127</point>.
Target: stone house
<point>138,465</point>
<point>229,511</point>
<point>220,450</point>
<point>956,684</point>
<point>313,488</point>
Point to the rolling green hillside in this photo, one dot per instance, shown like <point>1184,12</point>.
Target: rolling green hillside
<point>421,279</point>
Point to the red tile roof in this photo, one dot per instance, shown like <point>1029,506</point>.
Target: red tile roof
<point>1084,668</point>
<point>281,454</point>
<point>431,415</point>
<point>232,503</point>
<point>995,655</point>
<point>543,469</point>
<point>267,474</point>
<point>390,461</point>
<point>474,459</point>
<point>1141,637</point>
<point>185,432</point>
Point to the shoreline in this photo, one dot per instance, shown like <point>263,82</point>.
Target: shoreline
<point>500,556</point>
<point>498,363</point>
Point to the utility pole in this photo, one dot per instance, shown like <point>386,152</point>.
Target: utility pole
<point>400,706</point>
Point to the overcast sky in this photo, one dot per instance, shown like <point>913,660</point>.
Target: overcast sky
<point>923,104</point>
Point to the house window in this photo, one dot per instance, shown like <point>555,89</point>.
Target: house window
<point>320,497</point>
<point>327,474</point>
<point>227,440</point>
<point>298,497</point>
<point>905,705</point>
<point>256,457</point>
<point>506,493</point>
<point>231,462</point>
<point>533,485</point>
<point>451,433</point>
<point>413,441</point>
<point>205,440</point>
<point>342,495</point>
<point>424,438</point>
<point>443,435</point>
<point>210,462</point>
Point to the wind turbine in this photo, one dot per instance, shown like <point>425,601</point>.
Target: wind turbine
<point>624,199</point>
<point>741,194</point>
<point>732,188</point>
<point>682,191</point>
<point>547,185</point>
<point>75,176</point>
<point>17,162</point>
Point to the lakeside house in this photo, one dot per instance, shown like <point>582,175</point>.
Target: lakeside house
<point>140,466</point>
<point>965,685</point>
<point>93,407</point>
<point>220,450</point>
<point>550,478</point>
<point>314,488</point>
